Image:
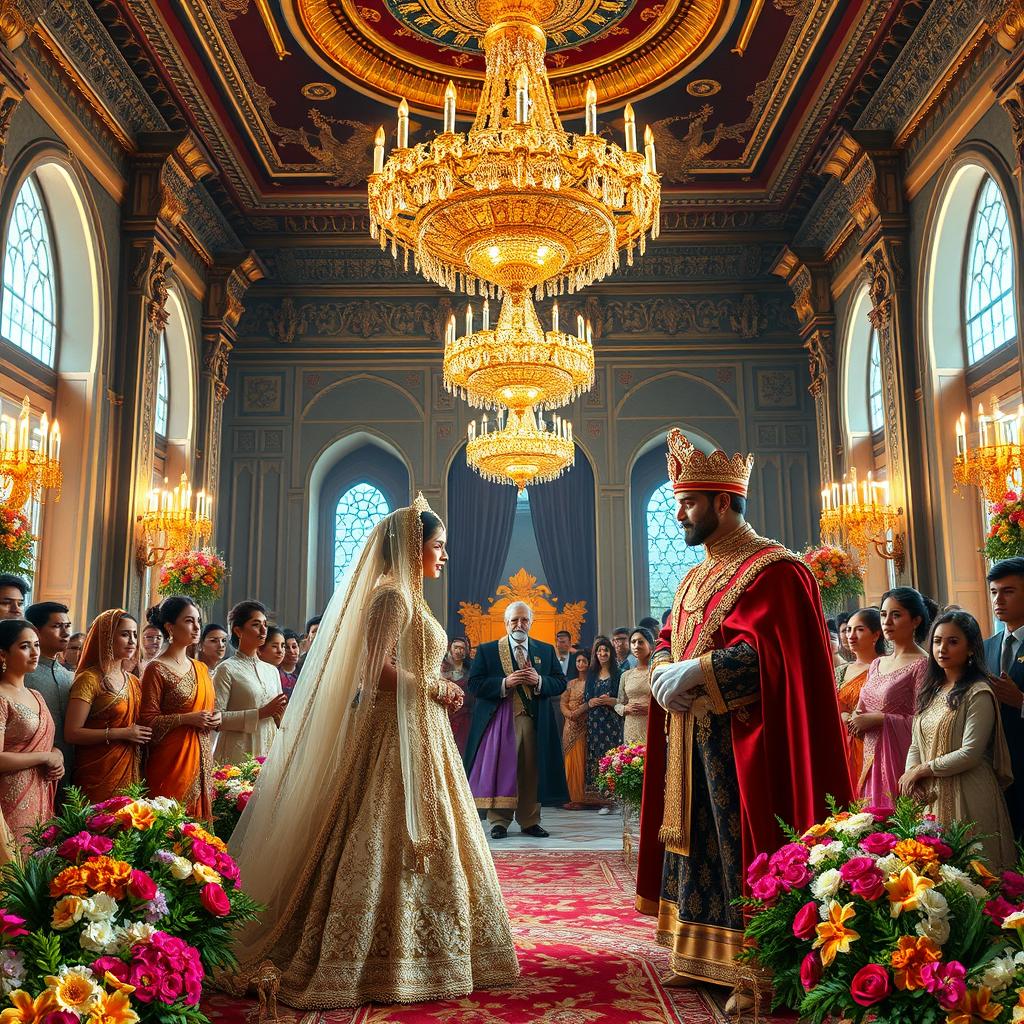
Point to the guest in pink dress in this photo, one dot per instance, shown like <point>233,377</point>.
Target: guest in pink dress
<point>885,712</point>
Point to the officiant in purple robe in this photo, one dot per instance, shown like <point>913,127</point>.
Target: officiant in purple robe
<point>514,753</point>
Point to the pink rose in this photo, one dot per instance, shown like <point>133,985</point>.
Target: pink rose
<point>879,843</point>
<point>12,926</point>
<point>805,923</point>
<point>115,803</point>
<point>215,899</point>
<point>141,886</point>
<point>146,980</point>
<point>870,985</point>
<point>946,981</point>
<point>242,801</point>
<point>767,888</point>
<point>204,853</point>
<point>869,886</point>
<point>856,867</point>
<point>227,866</point>
<point>101,822</point>
<point>998,909</point>
<point>1013,885</point>
<point>937,845</point>
<point>810,971</point>
<point>84,844</point>
<point>791,853</point>
<point>49,834</point>
<point>59,1017</point>
<point>758,868</point>
<point>171,988</point>
<point>113,965</point>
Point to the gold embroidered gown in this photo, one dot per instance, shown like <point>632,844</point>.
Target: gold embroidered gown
<point>362,924</point>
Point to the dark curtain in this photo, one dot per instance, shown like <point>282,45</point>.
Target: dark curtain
<point>565,524</point>
<point>480,520</point>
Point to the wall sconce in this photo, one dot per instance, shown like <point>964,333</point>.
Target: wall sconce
<point>174,522</point>
<point>861,516</point>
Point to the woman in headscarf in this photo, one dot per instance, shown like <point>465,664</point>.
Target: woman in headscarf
<point>103,710</point>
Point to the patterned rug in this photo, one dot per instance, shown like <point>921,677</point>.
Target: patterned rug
<point>587,957</point>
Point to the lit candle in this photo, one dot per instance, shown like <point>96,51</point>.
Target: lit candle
<point>630,129</point>
<point>554,317</point>
<point>570,430</point>
<point>652,163</point>
<point>580,330</point>
<point>469,319</point>
<point>487,315</point>
<point>522,96</point>
<point>865,490</point>
<point>961,434</point>
<point>1020,422</point>
<point>56,446</point>
<point>835,494</point>
<point>378,150</point>
<point>403,125</point>
<point>824,499</point>
<point>449,107</point>
<point>483,424</point>
<point>591,108</point>
<point>982,425</point>
<point>590,334</point>
<point>44,434</point>
<point>23,432</point>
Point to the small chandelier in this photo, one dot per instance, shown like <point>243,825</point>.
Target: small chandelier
<point>171,525</point>
<point>518,364</point>
<point>516,202</point>
<point>860,516</point>
<point>29,459</point>
<point>997,463</point>
<point>522,450</point>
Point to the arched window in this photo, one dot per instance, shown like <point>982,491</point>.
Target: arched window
<point>876,413</point>
<point>163,389</point>
<point>359,510</point>
<point>669,557</point>
<point>29,318</point>
<point>989,315</point>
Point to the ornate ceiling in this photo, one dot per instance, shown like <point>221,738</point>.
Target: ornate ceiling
<point>287,95</point>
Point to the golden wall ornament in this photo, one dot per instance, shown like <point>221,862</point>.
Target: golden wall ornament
<point>858,515</point>
<point>996,464</point>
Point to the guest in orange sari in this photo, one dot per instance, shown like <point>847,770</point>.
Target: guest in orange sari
<point>103,710</point>
<point>30,765</point>
<point>866,643</point>
<point>178,705</point>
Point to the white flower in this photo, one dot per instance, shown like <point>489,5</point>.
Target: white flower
<point>1000,974</point>
<point>933,903</point>
<point>181,868</point>
<point>12,970</point>
<point>954,876</point>
<point>856,824</point>
<point>163,804</point>
<point>890,864</point>
<point>100,907</point>
<point>99,937</point>
<point>826,884</point>
<point>1014,920</point>
<point>935,928</point>
<point>74,988</point>
<point>132,934</point>
<point>823,852</point>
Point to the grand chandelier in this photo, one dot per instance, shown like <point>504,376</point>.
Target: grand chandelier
<point>860,515</point>
<point>996,464</point>
<point>29,458</point>
<point>521,450</point>
<point>516,202</point>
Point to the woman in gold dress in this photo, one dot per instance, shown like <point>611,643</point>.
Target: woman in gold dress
<point>394,898</point>
<point>574,734</point>
<point>634,700</point>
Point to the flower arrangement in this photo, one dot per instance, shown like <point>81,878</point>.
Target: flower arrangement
<point>16,542</point>
<point>232,787</point>
<point>620,774</point>
<point>886,915</point>
<point>837,575</point>
<point>120,912</point>
<point>196,574</point>
<point>1005,538</point>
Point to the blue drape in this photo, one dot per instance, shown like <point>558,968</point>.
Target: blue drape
<point>565,524</point>
<point>480,520</point>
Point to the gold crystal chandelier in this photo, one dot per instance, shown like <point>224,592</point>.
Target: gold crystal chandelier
<point>29,459</point>
<point>522,449</point>
<point>516,202</point>
<point>996,464</point>
<point>172,523</point>
<point>861,516</point>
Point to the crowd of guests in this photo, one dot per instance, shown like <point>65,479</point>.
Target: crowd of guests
<point>605,703</point>
<point>934,711</point>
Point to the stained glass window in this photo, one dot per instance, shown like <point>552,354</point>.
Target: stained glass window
<point>359,510</point>
<point>28,318</point>
<point>875,408</point>
<point>163,390</point>
<point>669,557</point>
<point>988,290</point>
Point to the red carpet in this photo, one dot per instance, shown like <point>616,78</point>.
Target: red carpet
<point>587,958</point>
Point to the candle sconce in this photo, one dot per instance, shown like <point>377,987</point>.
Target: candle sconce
<point>29,458</point>
<point>996,464</point>
<point>860,516</point>
<point>175,521</point>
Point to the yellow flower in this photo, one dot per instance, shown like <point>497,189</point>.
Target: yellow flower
<point>198,832</point>
<point>973,1007</point>
<point>113,1009</point>
<point>73,989</point>
<point>25,1009</point>
<point>983,873</point>
<point>819,831</point>
<point>905,890</point>
<point>1018,1010</point>
<point>136,815</point>
<point>204,875</point>
<point>67,912</point>
<point>910,957</point>
<point>833,935</point>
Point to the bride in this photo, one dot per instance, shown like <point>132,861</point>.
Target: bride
<point>361,838</point>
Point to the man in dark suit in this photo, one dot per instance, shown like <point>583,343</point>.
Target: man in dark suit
<point>1004,654</point>
<point>514,753</point>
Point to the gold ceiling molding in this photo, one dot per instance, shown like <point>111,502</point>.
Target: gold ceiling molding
<point>675,34</point>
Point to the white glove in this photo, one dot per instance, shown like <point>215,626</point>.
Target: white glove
<point>673,685</point>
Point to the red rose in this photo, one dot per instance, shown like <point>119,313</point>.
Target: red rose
<point>810,971</point>
<point>215,899</point>
<point>1013,885</point>
<point>242,800</point>
<point>141,886</point>
<point>870,985</point>
<point>805,924</point>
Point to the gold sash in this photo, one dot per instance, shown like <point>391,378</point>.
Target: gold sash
<point>507,665</point>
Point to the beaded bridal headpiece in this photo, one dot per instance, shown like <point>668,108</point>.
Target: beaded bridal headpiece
<point>689,469</point>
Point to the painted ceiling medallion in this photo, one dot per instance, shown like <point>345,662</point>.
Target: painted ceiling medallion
<point>704,87</point>
<point>319,91</point>
<point>406,47</point>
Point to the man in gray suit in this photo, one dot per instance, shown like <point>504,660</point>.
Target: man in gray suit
<point>1004,654</point>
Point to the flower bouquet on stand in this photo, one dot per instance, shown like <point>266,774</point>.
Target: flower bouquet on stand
<point>232,787</point>
<point>16,542</point>
<point>1005,538</point>
<point>838,576</point>
<point>199,575</point>
<point>620,776</point>
<point>880,916</point>
<point>119,914</point>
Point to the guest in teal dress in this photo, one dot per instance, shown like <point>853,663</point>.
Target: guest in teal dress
<point>604,726</point>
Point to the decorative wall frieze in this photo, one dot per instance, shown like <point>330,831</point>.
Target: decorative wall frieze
<point>869,171</point>
<point>164,172</point>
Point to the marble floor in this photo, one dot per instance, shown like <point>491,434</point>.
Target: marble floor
<point>570,830</point>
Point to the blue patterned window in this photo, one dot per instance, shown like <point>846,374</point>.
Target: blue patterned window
<point>876,411</point>
<point>359,510</point>
<point>163,390</point>
<point>989,315</point>
<point>669,557</point>
<point>28,318</point>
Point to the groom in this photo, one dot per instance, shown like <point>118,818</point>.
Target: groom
<point>514,753</point>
